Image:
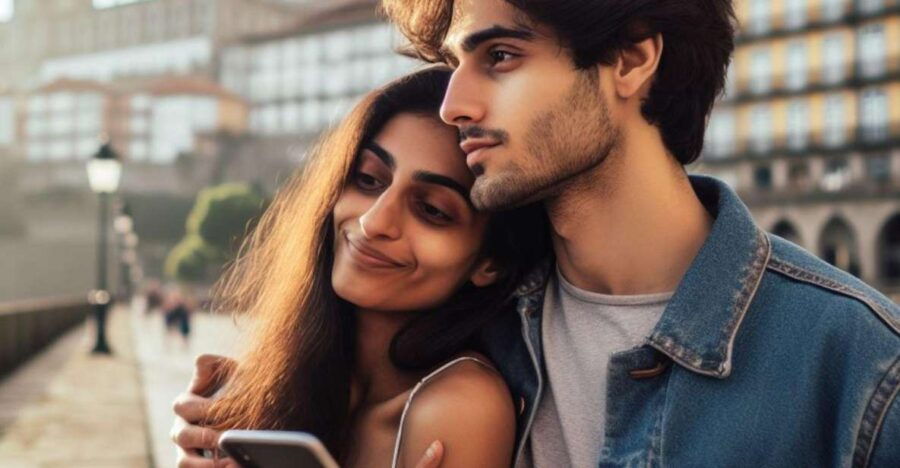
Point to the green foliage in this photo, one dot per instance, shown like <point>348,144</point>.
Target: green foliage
<point>220,218</point>
<point>222,215</point>
<point>188,260</point>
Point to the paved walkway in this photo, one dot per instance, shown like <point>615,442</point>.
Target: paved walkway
<point>167,363</point>
<point>66,407</point>
<point>69,408</point>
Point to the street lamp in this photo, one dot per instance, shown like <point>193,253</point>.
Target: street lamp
<point>104,172</point>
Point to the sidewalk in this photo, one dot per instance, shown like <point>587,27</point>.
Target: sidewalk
<point>166,367</point>
<point>69,408</point>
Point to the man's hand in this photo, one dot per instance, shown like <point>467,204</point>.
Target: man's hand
<point>191,407</point>
<point>433,456</point>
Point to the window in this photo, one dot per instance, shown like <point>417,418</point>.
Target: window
<point>760,12</point>
<point>720,134</point>
<point>37,151</point>
<point>797,124</point>
<point>762,177</point>
<point>37,104</point>
<point>338,45</point>
<point>86,147</point>
<point>100,4</point>
<point>311,111</point>
<point>62,102</point>
<point>36,126</point>
<point>290,117</point>
<point>837,175</point>
<point>760,129</point>
<point>870,6</point>
<point>7,122</point>
<point>61,149</point>
<point>798,175</point>
<point>795,13</point>
<point>871,50</point>
<point>833,59</point>
<point>832,9</point>
<point>878,168</point>
<point>873,115</point>
<point>760,71</point>
<point>833,133</point>
<point>7,10</point>
<point>796,66</point>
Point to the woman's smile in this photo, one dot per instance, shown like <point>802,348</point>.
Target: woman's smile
<point>365,255</point>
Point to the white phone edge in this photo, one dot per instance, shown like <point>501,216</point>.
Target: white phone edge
<point>300,439</point>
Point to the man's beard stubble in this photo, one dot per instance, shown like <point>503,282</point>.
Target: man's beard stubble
<point>567,140</point>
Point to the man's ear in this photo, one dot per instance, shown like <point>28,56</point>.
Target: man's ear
<point>485,273</point>
<point>636,65</point>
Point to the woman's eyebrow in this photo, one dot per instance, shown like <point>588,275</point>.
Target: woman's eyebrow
<point>385,157</point>
<point>437,179</point>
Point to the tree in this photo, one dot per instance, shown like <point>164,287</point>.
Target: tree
<point>220,218</point>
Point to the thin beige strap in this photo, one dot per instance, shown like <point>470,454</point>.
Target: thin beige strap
<point>416,389</point>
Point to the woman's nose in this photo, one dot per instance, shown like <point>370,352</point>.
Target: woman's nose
<point>381,220</point>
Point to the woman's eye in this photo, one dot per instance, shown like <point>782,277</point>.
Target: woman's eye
<point>367,182</point>
<point>433,213</point>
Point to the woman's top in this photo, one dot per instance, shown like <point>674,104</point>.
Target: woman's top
<point>418,387</point>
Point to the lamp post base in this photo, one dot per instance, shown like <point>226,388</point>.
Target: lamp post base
<point>101,346</point>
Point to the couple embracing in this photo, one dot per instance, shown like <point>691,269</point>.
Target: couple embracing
<point>501,261</point>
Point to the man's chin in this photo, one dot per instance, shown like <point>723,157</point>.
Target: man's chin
<point>497,193</point>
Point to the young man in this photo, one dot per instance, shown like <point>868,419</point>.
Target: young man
<point>667,329</point>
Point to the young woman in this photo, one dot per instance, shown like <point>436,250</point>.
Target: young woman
<point>368,280</point>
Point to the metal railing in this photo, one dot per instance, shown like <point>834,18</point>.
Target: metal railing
<point>27,327</point>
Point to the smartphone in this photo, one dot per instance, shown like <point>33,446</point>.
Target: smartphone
<point>275,449</point>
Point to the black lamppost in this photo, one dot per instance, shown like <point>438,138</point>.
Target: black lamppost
<point>104,172</point>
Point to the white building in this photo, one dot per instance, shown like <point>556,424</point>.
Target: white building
<point>301,81</point>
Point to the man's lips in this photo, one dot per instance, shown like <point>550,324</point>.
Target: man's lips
<point>471,145</point>
<point>368,255</point>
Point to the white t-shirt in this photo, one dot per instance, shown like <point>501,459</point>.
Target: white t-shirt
<point>580,331</point>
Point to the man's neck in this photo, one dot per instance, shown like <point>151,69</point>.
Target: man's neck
<point>633,225</point>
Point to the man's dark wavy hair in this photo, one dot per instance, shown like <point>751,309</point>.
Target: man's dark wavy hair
<point>698,39</point>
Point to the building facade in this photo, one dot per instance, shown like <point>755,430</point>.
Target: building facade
<point>808,131</point>
<point>301,81</point>
<point>43,40</point>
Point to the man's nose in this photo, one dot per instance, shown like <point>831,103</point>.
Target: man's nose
<point>463,102</point>
<point>382,219</point>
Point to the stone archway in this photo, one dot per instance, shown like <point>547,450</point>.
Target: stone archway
<point>889,251</point>
<point>838,246</point>
<point>786,230</point>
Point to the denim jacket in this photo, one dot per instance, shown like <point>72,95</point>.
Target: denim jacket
<point>765,356</point>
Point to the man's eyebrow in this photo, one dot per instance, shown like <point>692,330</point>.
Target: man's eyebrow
<point>472,41</point>
<point>383,154</point>
<point>437,179</point>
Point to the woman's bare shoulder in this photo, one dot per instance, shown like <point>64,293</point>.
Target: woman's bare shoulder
<point>468,407</point>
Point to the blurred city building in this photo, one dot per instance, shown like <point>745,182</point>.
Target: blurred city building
<point>808,131</point>
<point>300,81</point>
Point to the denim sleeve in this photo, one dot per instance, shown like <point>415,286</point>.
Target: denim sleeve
<point>886,451</point>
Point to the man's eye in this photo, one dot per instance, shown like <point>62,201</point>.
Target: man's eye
<point>367,182</point>
<point>498,56</point>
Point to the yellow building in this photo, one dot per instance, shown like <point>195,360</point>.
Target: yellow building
<point>808,131</point>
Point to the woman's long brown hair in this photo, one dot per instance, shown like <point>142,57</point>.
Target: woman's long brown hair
<point>295,375</point>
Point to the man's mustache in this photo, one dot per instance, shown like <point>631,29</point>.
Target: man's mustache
<point>474,131</point>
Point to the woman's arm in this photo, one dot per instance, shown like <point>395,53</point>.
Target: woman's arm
<point>469,409</point>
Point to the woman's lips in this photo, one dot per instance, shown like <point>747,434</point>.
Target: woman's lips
<point>368,256</point>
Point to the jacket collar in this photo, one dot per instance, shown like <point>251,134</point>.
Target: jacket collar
<point>698,328</point>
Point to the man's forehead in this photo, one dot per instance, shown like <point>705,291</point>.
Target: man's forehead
<point>471,16</point>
